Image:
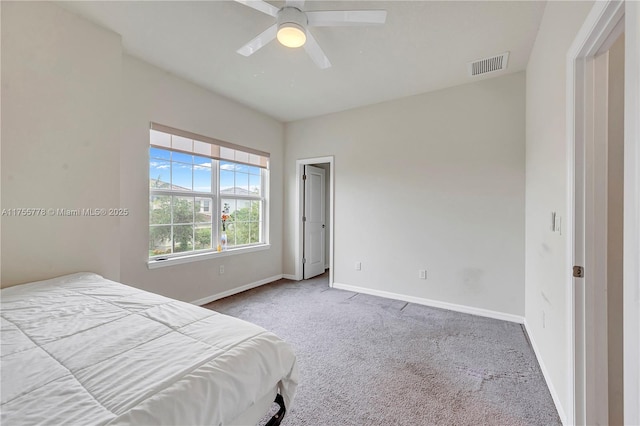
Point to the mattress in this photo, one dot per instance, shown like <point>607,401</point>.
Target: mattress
<point>84,350</point>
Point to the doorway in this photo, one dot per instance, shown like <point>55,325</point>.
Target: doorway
<point>314,243</point>
<point>314,235</point>
<point>603,234</point>
<point>596,181</point>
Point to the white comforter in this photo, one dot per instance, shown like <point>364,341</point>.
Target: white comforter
<point>83,350</point>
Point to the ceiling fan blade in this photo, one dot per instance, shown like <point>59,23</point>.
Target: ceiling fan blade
<point>261,6</point>
<point>299,4</point>
<point>315,51</point>
<point>336,18</point>
<point>260,41</point>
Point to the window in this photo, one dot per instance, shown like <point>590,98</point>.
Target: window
<point>193,181</point>
<point>241,195</point>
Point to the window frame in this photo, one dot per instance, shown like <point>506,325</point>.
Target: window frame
<point>215,207</point>
<point>248,197</point>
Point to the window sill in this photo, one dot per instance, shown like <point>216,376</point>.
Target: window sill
<point>155,263</point>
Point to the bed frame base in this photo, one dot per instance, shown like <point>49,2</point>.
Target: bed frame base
<point>277,418</point>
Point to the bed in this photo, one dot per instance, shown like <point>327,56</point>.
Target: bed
<point>84,350</point>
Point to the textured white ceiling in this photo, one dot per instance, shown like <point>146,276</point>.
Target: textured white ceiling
<point>424,46</point>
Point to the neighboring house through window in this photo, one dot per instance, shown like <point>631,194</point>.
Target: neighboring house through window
<point>193,179</point>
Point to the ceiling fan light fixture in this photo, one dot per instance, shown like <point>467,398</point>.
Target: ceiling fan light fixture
<point>291,35</point>
<point>292,27</point>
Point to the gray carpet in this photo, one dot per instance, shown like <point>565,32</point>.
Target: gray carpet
<point>367,360</point>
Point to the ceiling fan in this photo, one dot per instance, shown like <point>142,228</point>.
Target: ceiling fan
<point>292,23</point>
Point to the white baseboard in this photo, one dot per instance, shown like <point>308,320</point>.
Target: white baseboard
<point>290,277</point>
<point>545,373</point>
<point>433,303</point>
<point>236,290</point>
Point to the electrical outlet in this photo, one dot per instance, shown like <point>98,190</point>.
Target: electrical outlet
<point>358,266</point>
<point>221,269</point>
<point>422,274</point>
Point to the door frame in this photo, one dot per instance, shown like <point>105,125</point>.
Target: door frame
<point>599,31</point>
<point>299,245</point>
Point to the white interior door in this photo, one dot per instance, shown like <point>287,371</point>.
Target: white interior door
<point>313,221</point>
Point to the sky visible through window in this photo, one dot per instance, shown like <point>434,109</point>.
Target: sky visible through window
<point>176,170</point>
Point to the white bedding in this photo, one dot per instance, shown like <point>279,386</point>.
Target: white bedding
<point>84,350</point>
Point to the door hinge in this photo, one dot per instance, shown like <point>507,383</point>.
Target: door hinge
<point>304,218</point>
<point>304,260</point>
<point>304,177</point>
<point>578,272</point>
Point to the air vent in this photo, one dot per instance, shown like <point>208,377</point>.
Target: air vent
<point>487,65</point>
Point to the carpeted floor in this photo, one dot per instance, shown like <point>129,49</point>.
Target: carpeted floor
<point>367,360</point>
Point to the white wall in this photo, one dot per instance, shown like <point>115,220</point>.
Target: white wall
<point>75,134</point>
<point>151,94</point>
<point>434,181</point>
<point>60,132</point>
<point>546,266</point>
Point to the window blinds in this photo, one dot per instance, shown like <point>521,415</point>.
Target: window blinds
<point>166,137</point>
